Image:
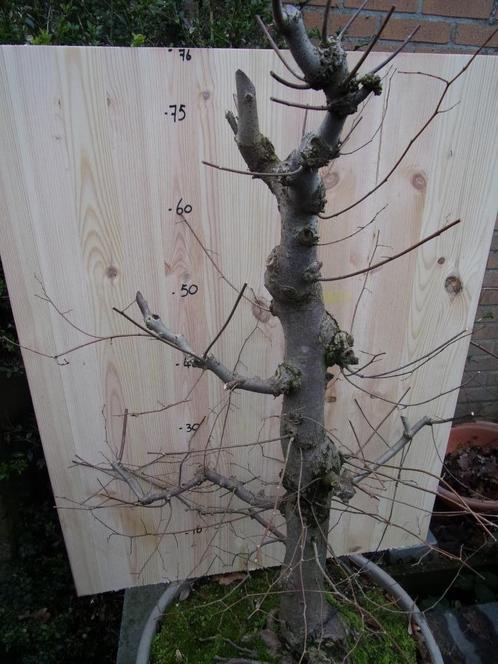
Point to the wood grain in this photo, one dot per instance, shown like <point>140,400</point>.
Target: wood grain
<point>91,172</point>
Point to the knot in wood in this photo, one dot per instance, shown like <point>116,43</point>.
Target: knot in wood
<point>345,105</point>
<point>288,378</point>
<point>312,272</point>
<point>315,152</point>
<point>272,260</point>
<point>307,237</point>
<point>345,488</point>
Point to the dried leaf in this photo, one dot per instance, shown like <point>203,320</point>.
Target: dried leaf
<point>227,579</point>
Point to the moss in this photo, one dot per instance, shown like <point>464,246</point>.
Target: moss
<point>388,644</point>
<point>372,82</point>
<point>200,629</point>
<point>289,377</point>
<point>259,154</point>
<point>340,350</point>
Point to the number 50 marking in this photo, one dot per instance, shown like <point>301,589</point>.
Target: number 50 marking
<point>189,290</point>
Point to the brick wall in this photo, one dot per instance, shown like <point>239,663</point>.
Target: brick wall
<point>456,26</point>
<point>480,379</point>
<point>447,26</point>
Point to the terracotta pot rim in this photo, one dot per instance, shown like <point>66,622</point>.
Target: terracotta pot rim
<point>457,500</point>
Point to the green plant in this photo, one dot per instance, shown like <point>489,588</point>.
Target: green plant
<point>223,23</point>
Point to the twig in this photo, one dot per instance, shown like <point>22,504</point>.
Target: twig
<point>278,16</point>
<point>217,267</point>
<point>123,435</point>
<point>437,111</point>
<point>157,410</point>
<point>276,49</point>
<point>289,84</point>
<point>365,55</point>
<point>392,258</point>
<point>361,228</point>
<point>351,20</point>
<point>365,280</point>
<point>379,128</point>
<point>420,361</point>
<point>396,52</point>
<point>484,350</point>
<point>407,436</point>
<point>293,104</point>
<point>73,348</point>
<point>225,324</point>
<point>325,23</point>
<point>254,174</point>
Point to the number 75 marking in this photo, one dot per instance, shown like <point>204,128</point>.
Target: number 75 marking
<point>177,112</point>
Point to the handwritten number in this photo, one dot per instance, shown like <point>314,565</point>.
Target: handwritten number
<point>183,209</point>
<point>185,54</point>
<point>189,290</point>
<point>177,112</point>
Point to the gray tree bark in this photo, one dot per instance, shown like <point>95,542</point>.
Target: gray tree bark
<point>313,339</point>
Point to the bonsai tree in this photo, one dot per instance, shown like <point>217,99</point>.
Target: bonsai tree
<point>314,471</point>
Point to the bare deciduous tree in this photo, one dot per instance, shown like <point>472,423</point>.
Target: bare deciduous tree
<point>314,471</point>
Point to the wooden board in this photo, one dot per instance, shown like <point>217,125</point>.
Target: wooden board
<point>96,155</point>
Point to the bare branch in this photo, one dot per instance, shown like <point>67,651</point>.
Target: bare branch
<point>225,324</point>
<point>374,40</point>
<point>407,436</point>
<point>278,384</point>
<point>437,111</point>
<point>484,350</point>
<point>392,258</point>
<point>271,174</point>
<point>295,104</point>
<point>290,24</point>
<point>348,24</point>
<point>232,121</point>
<point>276,49</point>
<point>396,52</point>
<point>358,230</point>
<point>237,487</point>
<point>289,84</point>
<point>325,24</point>
<point>278,16</point>
<point>255,302</point>
<point>123,435</point>
<point>248,130</point>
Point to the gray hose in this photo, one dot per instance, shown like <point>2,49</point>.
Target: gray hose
<point>403,600</point>
<point>166,599</point>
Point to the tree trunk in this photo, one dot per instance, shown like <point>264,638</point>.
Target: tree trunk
<point>313,340</point>
<point>312,461</point>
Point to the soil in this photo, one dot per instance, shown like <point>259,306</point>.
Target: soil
<point>473,472</point>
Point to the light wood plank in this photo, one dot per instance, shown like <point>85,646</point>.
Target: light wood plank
<point>90,175</point>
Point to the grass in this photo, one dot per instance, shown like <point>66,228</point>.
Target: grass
<point>215,617</point>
